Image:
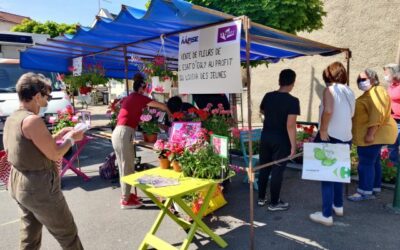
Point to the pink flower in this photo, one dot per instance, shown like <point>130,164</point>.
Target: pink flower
<point>52,119</point>
<point>152,111</point>
<point>236,132</point>
<point>214,111</point>
<point>209,105</point>
<point>75,119</point>
<point>159,145</point>
<point>145,118</point>
<point>220,106</point>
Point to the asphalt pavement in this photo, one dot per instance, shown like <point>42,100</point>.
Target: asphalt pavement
<point>103,225</point>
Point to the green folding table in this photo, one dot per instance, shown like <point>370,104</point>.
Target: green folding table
<point>187,185</point>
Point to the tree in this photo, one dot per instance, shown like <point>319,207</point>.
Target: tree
<point>288,15</point>
<point>49,27</point>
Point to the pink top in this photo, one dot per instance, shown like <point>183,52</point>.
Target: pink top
<point>394,93</point>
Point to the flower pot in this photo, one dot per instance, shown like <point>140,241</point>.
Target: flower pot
<point>150,137</point>
<point>157,82</point>
<point>176,166</point>
<point>164,163</point>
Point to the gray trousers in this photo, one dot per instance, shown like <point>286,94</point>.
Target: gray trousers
<point>125,153</point>
<point>41,202</point>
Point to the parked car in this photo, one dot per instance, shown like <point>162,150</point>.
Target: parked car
<point>10,71</point>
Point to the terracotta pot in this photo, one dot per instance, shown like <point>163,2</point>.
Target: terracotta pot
<point>164,163</point>
<point>150,137</point>
<point>176,166</point>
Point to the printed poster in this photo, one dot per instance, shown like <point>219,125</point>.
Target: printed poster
<point>209,60</point>
<point>220,145</point>
<point>326,162</point>
<point>77,66</point>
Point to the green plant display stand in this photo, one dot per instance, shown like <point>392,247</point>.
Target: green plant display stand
<point>175,193</point>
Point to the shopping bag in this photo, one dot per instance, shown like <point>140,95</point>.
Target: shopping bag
<point>326,162</point>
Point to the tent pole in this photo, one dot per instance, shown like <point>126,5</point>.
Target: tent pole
<point>126,71</point>
<point>246,27</point>
<point>348,56</point>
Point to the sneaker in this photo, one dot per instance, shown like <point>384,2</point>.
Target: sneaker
<point>281,206</point>
<point>135,197</point>
<point>261,202</point>
<point>361,197</point>
<point>131,203</point>
<point>338,210</point>
<point>319,218</point>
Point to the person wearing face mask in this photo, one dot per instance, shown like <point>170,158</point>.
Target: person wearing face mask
<point>392,77</point>
<point>335,122</point>
<point>373,126</point>
<point>34,178</point>
<point>128,119</point>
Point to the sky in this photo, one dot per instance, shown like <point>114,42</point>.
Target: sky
<point>65,11</point>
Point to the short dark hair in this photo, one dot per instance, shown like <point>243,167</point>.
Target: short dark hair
<point>287,77</point>
<point>29,84</point>
<point>335,72</point>
<point>138,82</point>
<point>174,104</point>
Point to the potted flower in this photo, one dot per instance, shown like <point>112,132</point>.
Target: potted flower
<point>65,118</point>
<point>303,134</point>
<point>161,76</point>
<point>218,120</point>
<point>176,151</point>
<point>112,113</point>
<point>149,124</point>
<point>161,148</point>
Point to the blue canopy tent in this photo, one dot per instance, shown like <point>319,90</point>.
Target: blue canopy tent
<point>137,33</point>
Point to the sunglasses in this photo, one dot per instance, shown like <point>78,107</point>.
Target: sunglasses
<point>361,79</point>
<point>49,97</point>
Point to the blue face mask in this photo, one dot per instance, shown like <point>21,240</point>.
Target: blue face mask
<point>364,85</point>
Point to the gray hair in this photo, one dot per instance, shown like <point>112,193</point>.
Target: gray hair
<point>394,70</point>
<point>373,76</point>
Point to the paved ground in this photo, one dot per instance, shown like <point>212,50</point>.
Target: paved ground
<point>102,225</point>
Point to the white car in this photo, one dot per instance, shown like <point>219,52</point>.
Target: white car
<point>10,71</point>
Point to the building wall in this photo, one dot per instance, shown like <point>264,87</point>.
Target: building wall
<point>369,28</point>
<point>6,26</point>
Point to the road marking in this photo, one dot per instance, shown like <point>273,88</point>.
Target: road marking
<point>10,222</point>
<point>300,239</point>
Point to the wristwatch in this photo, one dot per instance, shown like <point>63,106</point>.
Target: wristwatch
<point>71,140</point>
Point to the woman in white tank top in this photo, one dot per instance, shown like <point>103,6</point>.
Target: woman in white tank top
<point>335,123</point>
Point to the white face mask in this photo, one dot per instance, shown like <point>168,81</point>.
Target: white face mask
<point>387,78</point>
<point>42,111</point>
<point>364,85</point>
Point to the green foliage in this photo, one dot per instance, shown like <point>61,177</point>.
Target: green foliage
<point>202,164</point>
<point>288,15</point>
<point>75,82</point>
<point>49,27</point>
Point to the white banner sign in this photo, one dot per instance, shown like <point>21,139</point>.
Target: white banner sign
<point>326,162</point>
<point>209,60</point>
<point>77,66</point>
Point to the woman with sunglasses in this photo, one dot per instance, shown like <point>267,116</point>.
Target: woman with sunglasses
<point>128,119</point>
<point>34,179</point>
<point>373,127</point>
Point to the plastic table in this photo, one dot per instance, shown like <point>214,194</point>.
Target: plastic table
<point>186,186</point>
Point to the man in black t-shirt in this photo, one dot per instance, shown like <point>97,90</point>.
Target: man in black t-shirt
<point>278,139</point>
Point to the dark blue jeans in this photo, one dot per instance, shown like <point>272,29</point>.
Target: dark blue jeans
<point>369,169</point>
<point>332,192</point>
<point>394,148</point>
